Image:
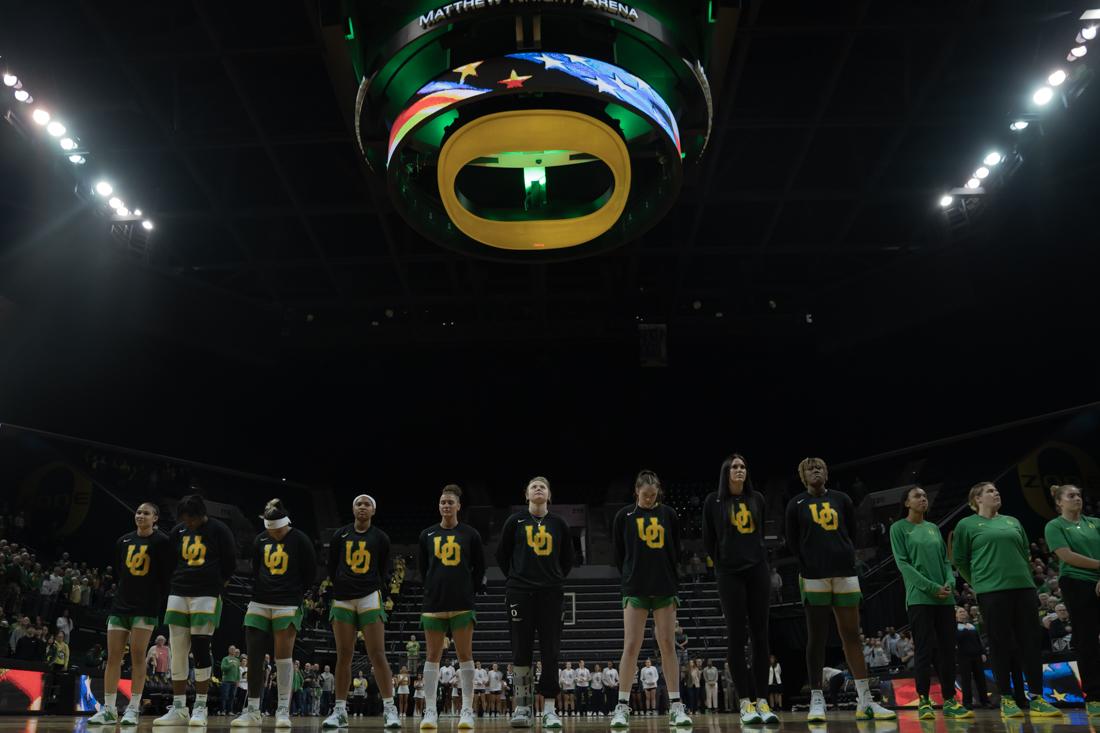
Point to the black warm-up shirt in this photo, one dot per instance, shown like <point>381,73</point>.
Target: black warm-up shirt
<point>647,549</point>
<point>284,568</point>
<point>733,530</point>
<point>357,562</point>
<point>819,533</point>
<point>535,552</point>
<point>144,565</point>
<point>452,564</point>
<point>205,558</point>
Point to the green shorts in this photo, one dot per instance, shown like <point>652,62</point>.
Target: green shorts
<point>454,623</point>
<point>359,612</point>
<point>650,603</point>
<point>265,617</point>
<point>201,614</point>
<point>129,623</point>
<point>839,592</point>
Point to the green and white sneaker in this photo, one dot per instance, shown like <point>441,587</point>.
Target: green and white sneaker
<point>767,717</point>
<point>816,713</point>
<point>925,711</point>
<point>1092,709</point>
<point>955,710</point>
<point>677,716</point>
<point>521,718</point>
<point>390,717</point>
<point>1009,708</point>
<point>749,716</point>
<point>198,716</point>
<point>250,717</point>
<point>176,715</point>
<point>1040,708</point>
<point>132,716</point>
<point>550,719</point>
<point>338,719</point>
<point>871,710</point>
<point>430,721</point>
<point>621,717</point>
<point>105,716</point>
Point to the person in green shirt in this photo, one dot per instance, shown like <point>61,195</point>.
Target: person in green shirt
<point>412,653</point>
<point>231,677</point>
<point>990,551</point>
<point>297,695</point>
<point>921,556</point>
<point>1075,539</point>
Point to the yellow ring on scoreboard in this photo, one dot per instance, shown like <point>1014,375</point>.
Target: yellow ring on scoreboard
<point>539,129</point>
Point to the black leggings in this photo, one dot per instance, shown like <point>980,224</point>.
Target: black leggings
<point>745,598</point>
<point>258,644</point>
<point>1012,622</point>
<point>971,678</point>
<point>934,639</point>
<point>541,611</point>
<point>1084,609</point>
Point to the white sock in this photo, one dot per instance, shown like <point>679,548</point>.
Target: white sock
<point>674,697</point>
<point>466,682</point>
<point>179,701</point>
<point>109,700</point>
<point>431,684</point>
<point>387,701</point>
<point>341,707</point>
<point>624,698</point>
<point>521,680</point>
<point>863,690</point>
<point>284,675</point>
<point>135,698</point>
<point>200,699</point>
<point>547,705</point>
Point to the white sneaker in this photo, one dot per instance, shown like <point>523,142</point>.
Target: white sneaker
<point>521,718</point>
<point>198,716</point>
<point>174,716</point>
<point>282,718</point>
<point>817,707</point>
<point>390,717</point>
<point>870,710</point>
<point>248,718</point>
<point>677,715</point>
<point>550,719</point>
<point>621,717</point>
<point>105,716</point>
<point>749,716</point>
<point>338,719</point>
<point>430,721</point>
<point>131,717</point>
<point>765,712</point>
<point>466,719</point>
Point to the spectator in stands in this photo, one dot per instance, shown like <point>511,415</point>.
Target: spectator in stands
<point>681,645</point>
<point>1075,539</point>
<point>297,694</point>
<point>905,650</point>
<point>65,624</point>
<point>890,639</point>
<point>610,686</point>
<point>412,653</point>
<point>990,551</point>
<point>875,654</point>
<point>240,697</point>
<point>18,630</point>
<point>328,686</point>
<point>596,699</point>
<point>649,676</point>
<point>710,681</point>
<point>583,680</point>
<point>57,653</point>
<point>359,694</point>
<point>971,659</point>
<point>1059,628</point>
<point>160,654</point>
<point>777,586</point>
<point>230,677</point>
<point>775,683</point>
<point>31,647</point>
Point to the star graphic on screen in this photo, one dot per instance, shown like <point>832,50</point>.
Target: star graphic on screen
<point>514,81</point>
<point>465,70</point>
<point>1059,696</point>
<point>606,88</point>
<point>549,62</point>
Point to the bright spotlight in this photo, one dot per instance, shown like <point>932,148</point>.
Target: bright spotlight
<point>103,188</point>
<point>1056,78</point>
<point>137,212</point>
<point>55,128</point>
<point>78,159</point>
<point>1078,51</point>
<point>1042,95</point>
<point>148,225</point>
<point>40,116</point>
<point>67,143</point>
<point>122,211</point>
<point>946,200</point>
<point>115,202</point>
<point>981,173</point>
<point>992,158</point>
<point>10,80</point>
<point>22,95</point>
<point>1018,125</point>
<point>1086,34</point>
<point>973,183</point>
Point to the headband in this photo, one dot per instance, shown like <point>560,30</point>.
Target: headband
<point>373,503</point>
<point>276,523</point>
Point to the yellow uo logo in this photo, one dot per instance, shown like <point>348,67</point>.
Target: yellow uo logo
<point>825,515</point>
<point>742,519</point>
<point>358,560</point>
<point>653,535</point>
<point>137,560</point>
<point>278,561</point>
<point>194,551</point>
<point>542,543</point>
<point>449,552</point>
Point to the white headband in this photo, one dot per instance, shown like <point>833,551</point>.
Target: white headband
<point>276,523</point>
<point>373,503</point>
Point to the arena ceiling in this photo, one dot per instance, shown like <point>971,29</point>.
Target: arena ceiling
<point>837,128</point>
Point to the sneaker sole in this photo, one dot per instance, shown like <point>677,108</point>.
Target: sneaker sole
<point>1055,714</point>
<point>429,726</point>
<point>818,718</point>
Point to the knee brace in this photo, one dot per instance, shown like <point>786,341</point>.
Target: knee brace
<point>200,647</point>
<point>180,637</point>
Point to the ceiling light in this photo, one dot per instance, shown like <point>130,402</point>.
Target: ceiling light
<point>40,116</point>
<point>1086,34</point>
<point>946,200</point>
<point>973,183</point>
<point>137,212</point>
<point>22,95</point>
<point>981,172</point>
<point>103,188</point>
<point>10,80</point>
<point>67,143</point>
<point>55,128</point>
<point>992,158</point>
<point>148,225</point>
<point>1042,95</point>
<point>115,202</point>
<point>78,159</point>
<point>1018,125</point>
<point>122,211</point>
<point>1078,51</point>
<point>1056,78</point>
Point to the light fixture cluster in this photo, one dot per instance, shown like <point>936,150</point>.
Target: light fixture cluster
<point>1041,97</point>
<point>70,146</point>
